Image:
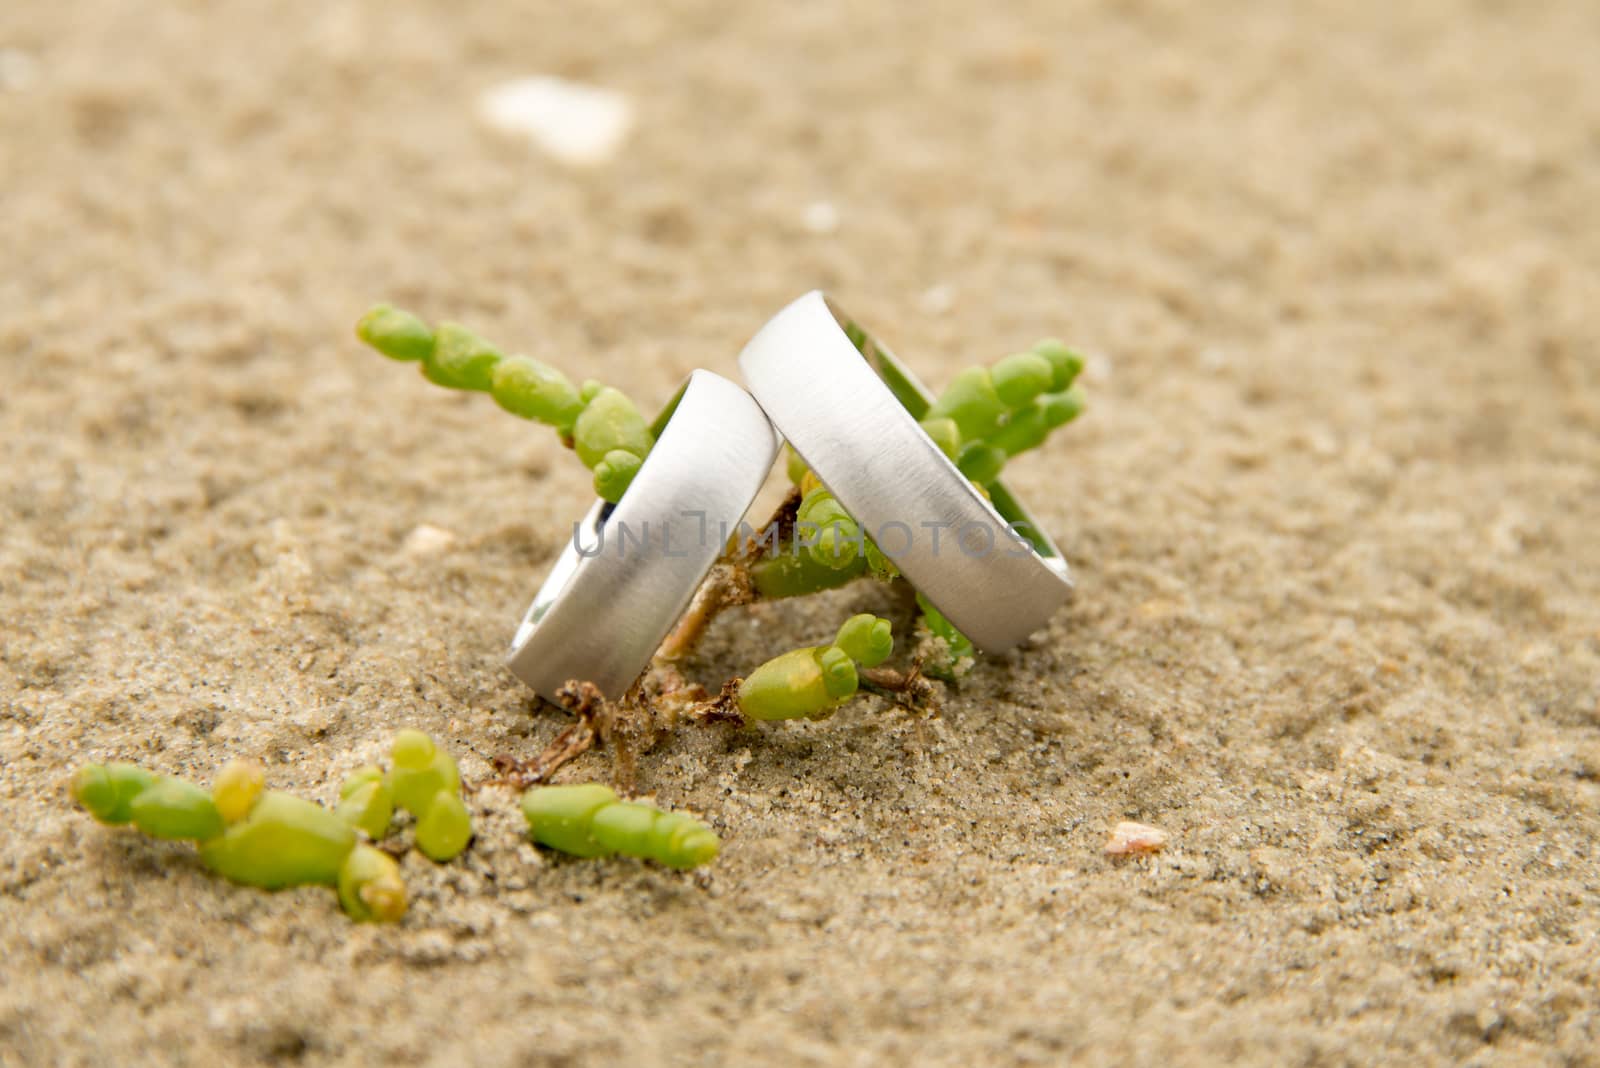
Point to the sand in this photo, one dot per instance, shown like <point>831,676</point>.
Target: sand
<point>1333,516</point>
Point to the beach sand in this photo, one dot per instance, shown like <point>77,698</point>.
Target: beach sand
<point>1332,511</point>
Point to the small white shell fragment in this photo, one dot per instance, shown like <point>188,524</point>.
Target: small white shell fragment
<point>821,217</point>
<point>937,299</point>
<point>1130,839</point>
<point>427,540</point>
<point>579,125</point>
<point>17,70</point>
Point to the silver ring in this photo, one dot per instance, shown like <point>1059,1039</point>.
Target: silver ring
<point>632,567</point>
<point>851,413</point>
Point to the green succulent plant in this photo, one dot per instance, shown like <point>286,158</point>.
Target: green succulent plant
<point>590,820</point>
<point>272,840</point>
<point>598,422</point>
<point>249,834</point>
<point>810,683</point>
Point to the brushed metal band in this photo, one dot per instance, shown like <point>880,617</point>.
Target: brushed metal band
<point>850,409</point>
<point>631,568</point>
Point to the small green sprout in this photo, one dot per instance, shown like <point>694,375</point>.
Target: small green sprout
<point>397,334</point>
<point>832,539</point>
<point>370,887</point>
<point>108,790</point>
<point>611,439</point>
<point>421,770</point>
<point>461,359</point>
<point>795,574</point>
<point>839,540</point>
<point>236,789</point>
<point>599,422</point>
<point>269,839</point>
<point>445,829</point>
<point>981,462</point>
<point>1065,365</point>
<point>284,841</point>
<point>952,652</point>
<point>1030,425</point>
<point>159,805</point>
<point>534,390</point>
<point>366,802</point>
<point>589,820</point>
<point>247,834</point>
<point>272,840</point>
<point>424,781</point>
<point>945,434</point>
<point>971,402</point>
<point>173,808</point>
<point>1005,409</point>
<point>810,683</point>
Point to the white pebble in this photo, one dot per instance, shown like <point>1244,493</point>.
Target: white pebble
<point>17,70</point>
<point>936,300</point>
<point>580,125</point>
<point>428,540</point>
<point>821,217</point>
<point>1129,838</point>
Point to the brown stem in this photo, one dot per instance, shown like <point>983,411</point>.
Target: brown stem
<point>908,689</point>
<point>784,518</point>
<point>723,708</point>
<point>669,693</point>
<point>727,585</point>
<point>586,703</point>
<point>577,739</point>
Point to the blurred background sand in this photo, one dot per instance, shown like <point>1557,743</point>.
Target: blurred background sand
<point>1333,515</point>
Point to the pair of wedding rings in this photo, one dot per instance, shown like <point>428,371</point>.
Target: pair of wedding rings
<point>850,410</point>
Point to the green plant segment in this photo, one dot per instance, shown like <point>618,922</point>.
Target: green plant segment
<point>1005,409</point>
<point>795,574</point>
<point>284,841</point>
<point>369,886</point>
<point>366,802</point>
<point>600,423</point>
<point>248,834</point>
<point>986,416</point>
<point>951,652</point>
<point>424,781</point>
<point>159,805</point>
<point>810,683</point>
<point>590,820</point>
<point>272,840</point>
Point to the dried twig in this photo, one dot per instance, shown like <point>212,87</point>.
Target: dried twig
<point>585,702</point>
<point>729,584</point>
<point>908,689</point>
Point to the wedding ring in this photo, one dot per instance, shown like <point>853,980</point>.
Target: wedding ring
<point>632,567</point>
<point>850,409</point>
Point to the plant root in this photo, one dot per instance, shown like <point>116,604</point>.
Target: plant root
<point>911,690</point>
<point>585,702</point>
<point>728,585</point>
